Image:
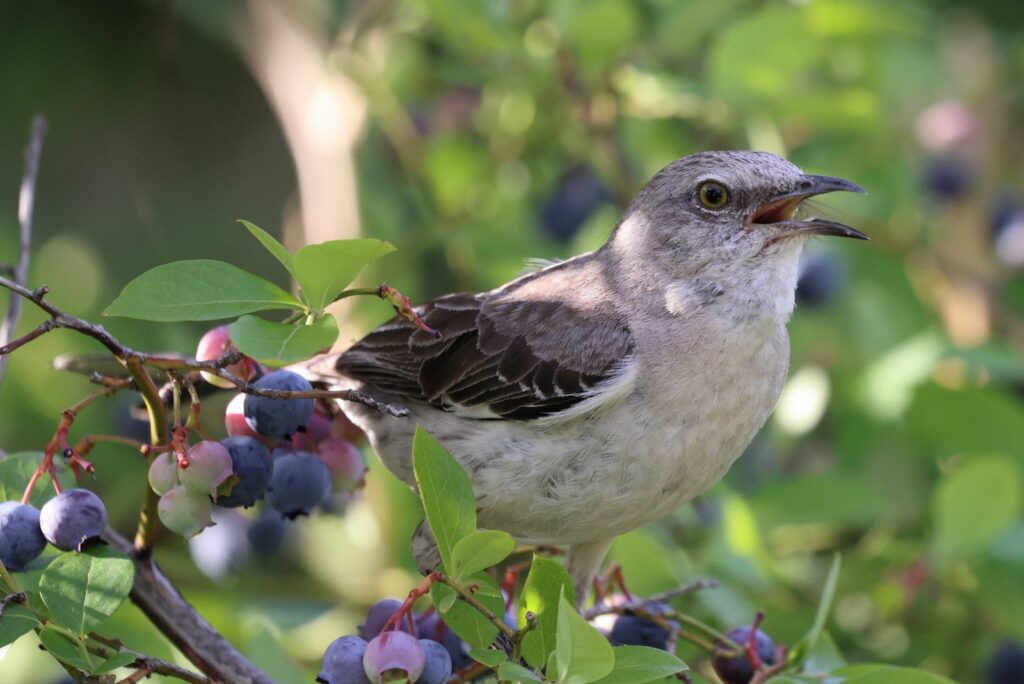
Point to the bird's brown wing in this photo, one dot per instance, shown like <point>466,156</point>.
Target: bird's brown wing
<point>498,356</point>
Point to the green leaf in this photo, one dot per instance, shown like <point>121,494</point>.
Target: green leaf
<point>974,504</point>
<point>544,585</point>
<point>480,550</point>
<point>271,244</point>
<point>16,471</point>
<point>824,656</point>
<point>81,590</point>
<point>278,344</point>
<point>325,270</point>
<point>266,651</point>
<point>511,672</point>
<point>198,290</point>
<point>488,657</point>
<point>464,619</point>
<point>584,655</point>
<point>65,650</point>
<point>828,592</point>
<point>115,661</point>
<point>15,621</point>
<point>637,664</point>
<point>446,493</point>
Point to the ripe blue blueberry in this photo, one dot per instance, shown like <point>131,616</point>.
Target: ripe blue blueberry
<point>279,417</point>
<point>437,664</point>
<point>739,670</point>
<point>72,518</point>
<point>300,482</point>
<point>21,540</point>
<point>393,653</point>
<point>343,662</point>
<point>630,630</point>
<point>251,462</point>
<point>1006,665</point>
<point>376,617</point>
<point>267,533</point>
<point>431,626</point>
<point>820,278</point>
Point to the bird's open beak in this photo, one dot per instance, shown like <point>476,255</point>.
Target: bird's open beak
<point>779,211</point>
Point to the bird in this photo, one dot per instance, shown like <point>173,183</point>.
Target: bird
<point>599,393</point>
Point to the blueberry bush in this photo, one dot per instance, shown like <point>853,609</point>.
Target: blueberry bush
<point>470,136</point>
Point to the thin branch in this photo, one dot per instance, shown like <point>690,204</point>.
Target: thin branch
<point>26,205</point>
<point>169,612</point>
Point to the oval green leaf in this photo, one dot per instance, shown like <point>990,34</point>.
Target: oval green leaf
<point>16,472</point>
<point>81,590</point>
<point>325,270</point>
<point>198,290</point>
<point>583,653</point>
<point>270,243</point>
<point>468,623</point>
<point>278,344</point>
<point>546,582</point>
<point>446,493</point>
<point>638,664</point>
<point>974,504</point>
<point>480,550</point>
<point>16,620</point>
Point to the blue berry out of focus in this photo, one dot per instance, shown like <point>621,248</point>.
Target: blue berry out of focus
<point>300,482</point>
<point>739,670</point>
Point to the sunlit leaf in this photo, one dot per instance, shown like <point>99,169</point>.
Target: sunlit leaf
<point>278,344</point>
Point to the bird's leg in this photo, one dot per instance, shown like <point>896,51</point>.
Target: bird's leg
<point>583,561</point>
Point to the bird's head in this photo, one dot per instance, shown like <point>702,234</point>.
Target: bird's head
<point>730,211</point>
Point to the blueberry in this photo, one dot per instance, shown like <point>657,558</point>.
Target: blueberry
<point>343,662</point>
<point>345,462</point>
<point>279,417</point>
<point>820,278</point>
<point>184,512</point>
<point>391,653</point>
<point>437,664</point>
<point>266,533</point>
<point>948,177</point>
<point>1007,664</point>
<point>379,613</point>
<point>222,547</point>
<point>251,463</point>
<point>21,540</point>
<point>73,518</point>
<point>739,670</point>
<point>209,465</point>
<point>577,195</point>
<point>300,482</point>
<point>163,473</point>
<point>630,630</point>
<point>432,627</point>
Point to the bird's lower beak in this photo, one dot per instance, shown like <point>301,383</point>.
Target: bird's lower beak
<point>779,211</point>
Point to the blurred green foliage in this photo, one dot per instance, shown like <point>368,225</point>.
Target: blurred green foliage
<point>900,438</point>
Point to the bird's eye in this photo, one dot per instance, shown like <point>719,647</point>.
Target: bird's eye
<point>713,195</point>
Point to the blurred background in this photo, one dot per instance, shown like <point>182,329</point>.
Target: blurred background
<point>474,134</point>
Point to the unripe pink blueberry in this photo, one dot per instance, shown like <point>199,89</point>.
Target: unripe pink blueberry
<point>209,464</point>
<point>185,512</point>
<point>345,462</point>
<point>392,652</point>
<point>163,473</point>
<point>211,347</point>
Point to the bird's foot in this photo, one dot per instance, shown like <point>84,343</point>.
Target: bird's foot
<point>604,584</point>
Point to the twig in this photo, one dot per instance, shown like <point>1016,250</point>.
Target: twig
<point>26,204</point>
<point>688,588</point>
<point>165,607</point>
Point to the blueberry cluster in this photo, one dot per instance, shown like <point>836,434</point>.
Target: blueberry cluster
<point>69,521</point>
<point>424,652</point>
<point>283,451</point>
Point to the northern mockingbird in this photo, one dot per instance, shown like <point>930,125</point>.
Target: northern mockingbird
<point>600,393</point>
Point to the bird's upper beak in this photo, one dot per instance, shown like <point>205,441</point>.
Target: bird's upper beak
<point>779,210</point>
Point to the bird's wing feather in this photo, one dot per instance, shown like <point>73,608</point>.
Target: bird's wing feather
<point>520,356</point>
